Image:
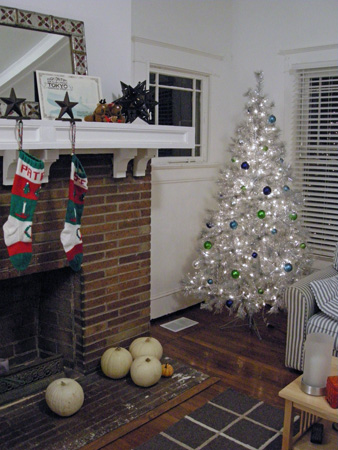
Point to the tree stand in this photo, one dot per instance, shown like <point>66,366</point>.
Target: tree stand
<point>237,322</point>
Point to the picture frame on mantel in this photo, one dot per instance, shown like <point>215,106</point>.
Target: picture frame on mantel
<point>85,90</point>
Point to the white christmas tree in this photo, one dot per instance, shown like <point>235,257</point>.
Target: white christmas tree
<point>253,246</point>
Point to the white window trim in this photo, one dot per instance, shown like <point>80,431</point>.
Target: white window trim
<point>147,52</point>
<point>179,161</point>
<point>313,57</point>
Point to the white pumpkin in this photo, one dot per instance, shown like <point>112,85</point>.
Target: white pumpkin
<point>146,371</point>
<point>64,396</point>
<point>146,346</point>
<point>116,362</point>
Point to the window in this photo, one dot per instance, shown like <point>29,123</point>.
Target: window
<point>182,98</point>
<point>316,158</point>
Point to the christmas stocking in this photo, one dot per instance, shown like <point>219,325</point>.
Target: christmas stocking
<point>25,191</point>
<point>71,235</point>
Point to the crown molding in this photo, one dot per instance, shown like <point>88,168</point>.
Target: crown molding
<point>179,48</point>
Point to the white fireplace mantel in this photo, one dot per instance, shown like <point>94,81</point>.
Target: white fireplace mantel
<point>48,139</point>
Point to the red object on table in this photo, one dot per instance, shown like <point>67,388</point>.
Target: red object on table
<point>332,391</point>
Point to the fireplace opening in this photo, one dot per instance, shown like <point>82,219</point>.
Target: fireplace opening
<point>38,331</point>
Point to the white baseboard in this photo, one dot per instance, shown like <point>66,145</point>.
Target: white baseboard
<point>170,303</point>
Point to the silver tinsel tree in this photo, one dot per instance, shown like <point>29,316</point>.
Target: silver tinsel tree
<point>252,247</point>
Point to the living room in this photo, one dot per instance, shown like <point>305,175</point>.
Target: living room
<point>223,43</point>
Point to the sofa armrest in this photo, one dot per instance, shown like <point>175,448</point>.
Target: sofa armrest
<point>301,305</point>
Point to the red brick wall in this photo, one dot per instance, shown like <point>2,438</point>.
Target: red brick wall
<point>112,304</point>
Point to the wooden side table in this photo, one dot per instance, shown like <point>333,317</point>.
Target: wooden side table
<point>311,408</point>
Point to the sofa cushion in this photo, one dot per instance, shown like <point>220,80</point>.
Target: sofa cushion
<point>335,258</point>
<point>321,323</point>
<point>326,294</point>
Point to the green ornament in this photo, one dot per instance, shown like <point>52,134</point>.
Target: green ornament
<point>260,291</point>
<point>302,245</point>
<point>235,274</point>
<point>293,216</point>
<point>233,159</point>
<point>243,188</point>
<point>265,148</point>
<point>261,214</point>
<point>207,245</point>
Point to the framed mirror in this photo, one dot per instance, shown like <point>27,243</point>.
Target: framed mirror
<point>33,41</point>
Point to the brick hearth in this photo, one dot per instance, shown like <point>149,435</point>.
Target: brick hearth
<point>111,409</point>
<point>108,302</point>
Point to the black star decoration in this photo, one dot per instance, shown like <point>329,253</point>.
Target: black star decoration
<point>136,102</point>
<point>13,104</point>
<point>66,107</point>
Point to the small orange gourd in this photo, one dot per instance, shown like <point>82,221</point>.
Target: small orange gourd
<point>167,370</point>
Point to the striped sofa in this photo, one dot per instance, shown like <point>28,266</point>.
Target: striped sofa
<point>305,317</point>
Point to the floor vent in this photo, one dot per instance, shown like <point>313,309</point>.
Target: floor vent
<point>179,324</point>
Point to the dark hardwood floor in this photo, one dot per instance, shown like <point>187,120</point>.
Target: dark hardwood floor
<point>235,355</point>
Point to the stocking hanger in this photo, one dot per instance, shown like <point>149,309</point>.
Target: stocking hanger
<point>19,133</point>
<point>73,135</point>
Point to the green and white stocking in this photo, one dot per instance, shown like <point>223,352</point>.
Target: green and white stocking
<point>25,192</point>
<point>71,237</point>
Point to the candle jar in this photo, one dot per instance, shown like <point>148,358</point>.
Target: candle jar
<point>317,363</point>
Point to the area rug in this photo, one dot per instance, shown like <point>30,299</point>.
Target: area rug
<point>231,421</point>
<point>111,409</point>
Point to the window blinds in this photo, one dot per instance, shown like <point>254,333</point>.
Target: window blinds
<point>316,155</point>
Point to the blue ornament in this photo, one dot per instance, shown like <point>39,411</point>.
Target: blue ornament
<point>273,231</point>
<point>288,267</point>
<point>210,225</point>
<point>233,224</point>
<point>272,119</point>
<point>254,255</point>
<point>267,190</point>
<point>245,165</point>
<point>210,281</point>
<point>286,188</point>
<point>229,303</point>
<point>281,160</point>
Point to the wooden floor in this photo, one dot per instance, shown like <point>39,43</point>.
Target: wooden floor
<point>235,355</point>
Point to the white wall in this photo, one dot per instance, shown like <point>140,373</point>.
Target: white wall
<point>198,33</point>
<point>192,36</point>
<point>108,35</point>
<point>242,36</point>
<point>263,29</point>
<point>204,25</point>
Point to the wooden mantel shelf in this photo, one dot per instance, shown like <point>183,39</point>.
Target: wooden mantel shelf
<point>48,139</point>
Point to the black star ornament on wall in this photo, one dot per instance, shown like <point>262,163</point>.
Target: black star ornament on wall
<point>136,102</point>
<point>13,104</point>
<point>66,108</point>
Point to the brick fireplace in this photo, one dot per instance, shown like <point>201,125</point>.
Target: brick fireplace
<point>49,309</point>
